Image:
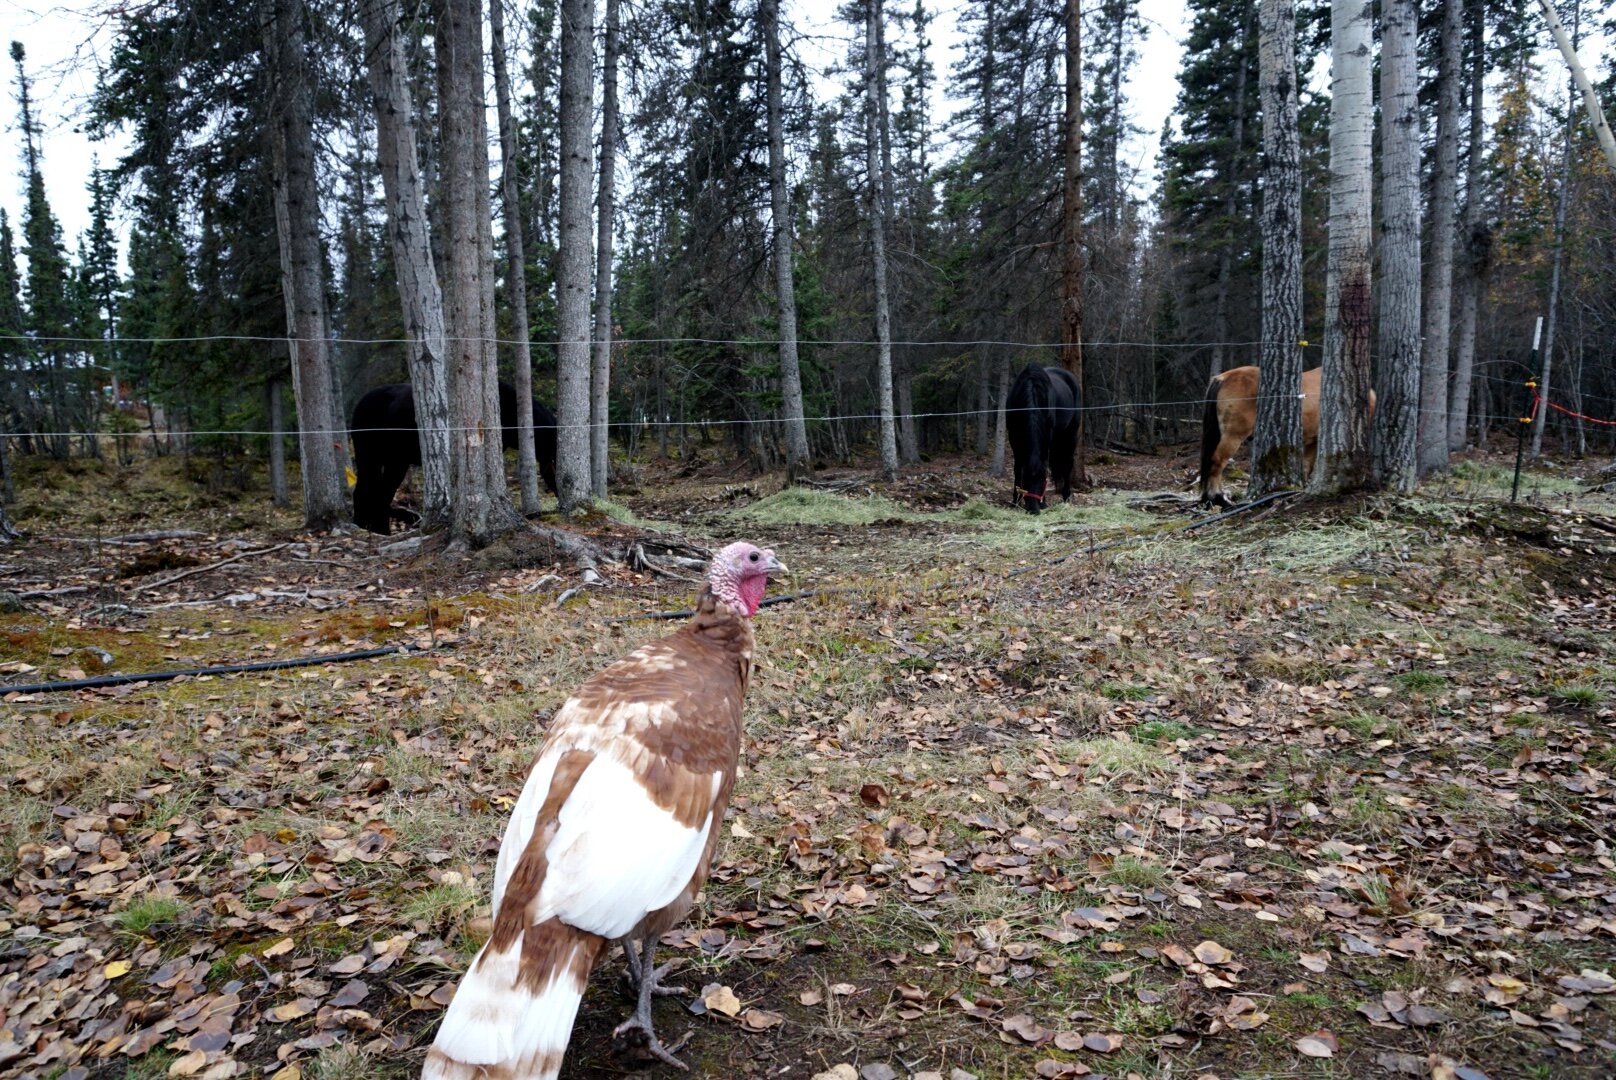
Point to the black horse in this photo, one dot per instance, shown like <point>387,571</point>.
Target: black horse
<point>386,443</point>
<point>1041,419</point>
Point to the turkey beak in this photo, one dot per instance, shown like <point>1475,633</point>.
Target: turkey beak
<point>774,567</point>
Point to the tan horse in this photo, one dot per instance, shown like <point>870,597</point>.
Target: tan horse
<point>1231,417</point>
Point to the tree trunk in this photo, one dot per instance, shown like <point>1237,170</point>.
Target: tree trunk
<point>875,84</point>
<point>601,376</point>
<point>1342,460</point>
<point>1438,313</point>
<point>1475,246</point>
<point>297,222</point>
<point>479,508</point>
<point>1398,420</point>
<point>572,263</point>
<point>278,495</point>
<point>1001,400</point>
<point>1590,100</point>
<point>1072,229</point>
<point>1545,378</point>
<point>782,233</point>
<point>527,471</point>
<point>1276,452</point>
<point>426,351</point>
<point>1231,203</point>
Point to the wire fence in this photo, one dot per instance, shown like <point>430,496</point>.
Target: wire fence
<point>645,422</point>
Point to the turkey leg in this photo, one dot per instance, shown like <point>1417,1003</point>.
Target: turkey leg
<point>642,971</point>
<point>634,969</point>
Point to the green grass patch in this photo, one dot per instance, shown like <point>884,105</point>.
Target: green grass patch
<point>1157,731</point>
<point>148,913</point>
<point>1132,872</point>
<point>1421,682</point>
<point>809,506</point>
<point>1578,694</point>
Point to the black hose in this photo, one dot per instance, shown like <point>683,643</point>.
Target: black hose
<point>225,669</point>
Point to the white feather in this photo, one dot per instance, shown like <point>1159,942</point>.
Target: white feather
<point>617,856</point>
<point>493,1020</point>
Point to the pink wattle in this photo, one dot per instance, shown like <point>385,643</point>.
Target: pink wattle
<point>751,592</point>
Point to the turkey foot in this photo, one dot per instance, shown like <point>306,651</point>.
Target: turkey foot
<point>642,972</point>
<point>635,967</point>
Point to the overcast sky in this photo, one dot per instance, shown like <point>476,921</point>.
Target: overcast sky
<point>64,48</point>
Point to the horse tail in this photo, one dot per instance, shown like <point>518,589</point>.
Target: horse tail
<point>1211,431</point>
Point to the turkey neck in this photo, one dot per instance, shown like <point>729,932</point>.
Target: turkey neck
<point>718,625</point>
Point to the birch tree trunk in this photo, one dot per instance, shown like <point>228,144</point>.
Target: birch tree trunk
<point>527,468</point>
<point>1438,313</point>
<point>601,375</point>
<point>797,458</point>
<point>1276,452</point>
<point>1342,460</point>
<point>297,225</point>
<point>479,509</point>
<point>1398,421</point>
<point>1072,229</point>
<point>1545,379</point>
<point>1590,100</point>
<point>572,262</point>
<point>426,351</point>
<point>875,92</point>
<point>1475,247</point>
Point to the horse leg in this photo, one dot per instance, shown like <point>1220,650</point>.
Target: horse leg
<point>1227,447</point>
<point>370,497</point>
<point>1061,453</point>
<point>393,474</point>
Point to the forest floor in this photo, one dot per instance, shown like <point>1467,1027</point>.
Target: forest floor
<point>1323,790</point>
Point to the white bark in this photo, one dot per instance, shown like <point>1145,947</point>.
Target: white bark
<point>783,242</point>
<point>1342,462</point>
<point>1276,452</point>
<point>874,110</point>
<point>297,225</point>
<point>407,226</point>
<point>601,375</point>
<point>572,263</point>
<point>1399,418</point>
<point>1545,379</point>
<point>1590,100</point>
<point>527,471</point>
<point>1438,313</point>
<point>1475,253</point>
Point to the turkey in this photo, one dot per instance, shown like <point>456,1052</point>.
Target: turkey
<point>612,836</point>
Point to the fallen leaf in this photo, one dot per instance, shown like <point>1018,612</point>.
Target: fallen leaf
<point>189,1064</point>
<point>844,1071</point>
<point>761,1019</point>
<point>1102,1044</point>
<point>115,969</point>
<point>874,795</point>
<point>1210,952</point>
<point>281,947</point>
<point>1315,962</point>
<point>1320,1044</point>
<point>721,999</point>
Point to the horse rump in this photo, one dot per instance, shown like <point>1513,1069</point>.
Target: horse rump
<point>1026,429</point>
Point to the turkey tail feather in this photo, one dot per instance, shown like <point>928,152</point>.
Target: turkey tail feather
<point>512,1014</point>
